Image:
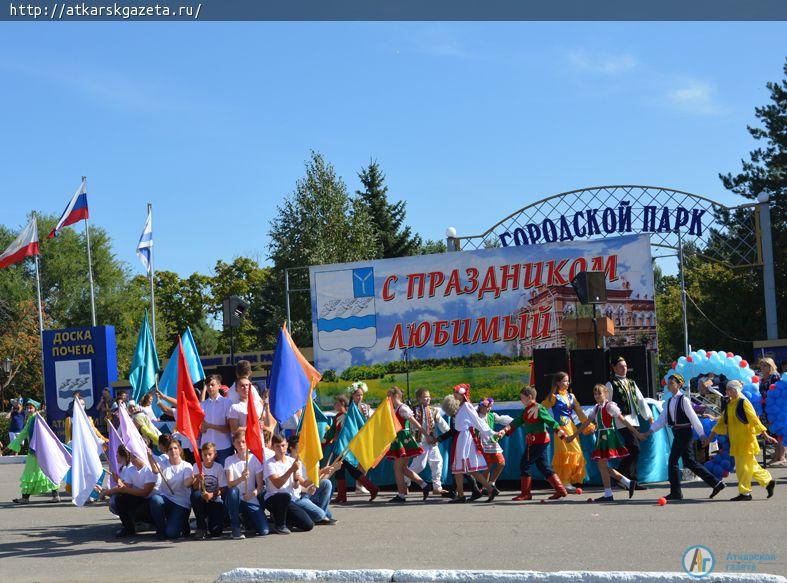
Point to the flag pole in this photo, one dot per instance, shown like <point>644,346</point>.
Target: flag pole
<point>90,264</point>
<point>40,312</point>
<point>151,274</point>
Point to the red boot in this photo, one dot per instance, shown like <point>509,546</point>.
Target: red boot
<point>341,492</point>
<point>369,485</point>
<point>524,484</point>
<point>560,490</point>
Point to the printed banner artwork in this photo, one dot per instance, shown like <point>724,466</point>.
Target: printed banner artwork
<point>504,301</point>
<point>80,360</point>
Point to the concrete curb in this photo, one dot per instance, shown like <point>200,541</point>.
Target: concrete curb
<point>457,576</point>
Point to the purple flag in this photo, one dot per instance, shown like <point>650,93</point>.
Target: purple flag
<point>52,456</point>
<point>112,455</point>
<point>131,437</point>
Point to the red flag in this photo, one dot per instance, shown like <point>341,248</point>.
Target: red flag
<point>253,435</point>
<point>189,415</point>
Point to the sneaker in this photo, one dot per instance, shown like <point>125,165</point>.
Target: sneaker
<point>717,488</point>
<point>672,496</point>
<point>237,534</point>
<point>21,500</point>
<point>570,488</point>
<point>769,488</point>
<point>398,499</point>
<point>476,495</point>
<point>55,497</point>
<point>326,521</point>
<point>741,498</point>
<point>200,534</point>
<point>605,499</point>
<point>281,530</point>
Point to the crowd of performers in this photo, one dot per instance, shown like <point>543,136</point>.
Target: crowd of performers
<point>275,495</point>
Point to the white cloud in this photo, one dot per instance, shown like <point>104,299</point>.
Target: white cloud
<point>695,97</point>
<point>605,64</point>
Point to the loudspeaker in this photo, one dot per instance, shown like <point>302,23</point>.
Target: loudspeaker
<point>234,308</point>
<point>588,367</point>
<point>639,365</point>
<point>547,362</point>
<point>590,287</point>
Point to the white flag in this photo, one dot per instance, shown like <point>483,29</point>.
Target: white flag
<point>86,448</point>
<point>145,245</point>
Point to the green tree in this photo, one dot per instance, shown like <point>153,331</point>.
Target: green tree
<point>765,173</point>
<point>430,246</point>
<point>318,223</point>
<point>396,239</point>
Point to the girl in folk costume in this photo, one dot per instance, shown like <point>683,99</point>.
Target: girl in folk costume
<point>32,481</point>
<point>609,443</point>
<point>567,459</point>
<point>430,419</point>
<point>740,423</point>
<point>357,391</point>
<point>331,435</point>
<point>403,448</point>
<point>466,456</point>
<point>493,453</point>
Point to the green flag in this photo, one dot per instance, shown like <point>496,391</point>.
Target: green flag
<point>145,365</point>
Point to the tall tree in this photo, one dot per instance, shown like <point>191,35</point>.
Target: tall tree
<point>765,172</point>
<point>396,239</point>
<point>318,223</point>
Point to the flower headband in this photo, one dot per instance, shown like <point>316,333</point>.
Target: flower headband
<point>487,402</point>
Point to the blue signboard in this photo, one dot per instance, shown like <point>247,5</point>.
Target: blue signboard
<point>77,359</point>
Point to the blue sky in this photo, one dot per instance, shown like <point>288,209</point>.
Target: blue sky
<point>470,121</point>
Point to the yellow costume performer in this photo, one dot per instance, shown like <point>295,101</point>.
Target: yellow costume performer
<point>567,460</point>
<point>741,424</point>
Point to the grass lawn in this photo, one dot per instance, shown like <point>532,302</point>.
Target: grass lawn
<point>500,382</point>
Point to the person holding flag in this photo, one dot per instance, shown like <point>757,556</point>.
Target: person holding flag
<point>244,484</point>
<point>404,447</point>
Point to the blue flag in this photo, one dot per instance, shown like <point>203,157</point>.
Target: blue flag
<point>291,378</point>
<point>145,365</point>
<point>168,383</point>
<point>353,421</point>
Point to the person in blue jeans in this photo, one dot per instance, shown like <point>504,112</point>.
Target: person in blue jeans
<point>313,500</point>
<point>170,506</point>
<point>206,497</point>
<point>244,484</point>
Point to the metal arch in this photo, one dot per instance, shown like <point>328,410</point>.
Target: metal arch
<point>747,251</point>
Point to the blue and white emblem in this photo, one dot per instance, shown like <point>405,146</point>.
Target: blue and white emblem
<point>346,316</point>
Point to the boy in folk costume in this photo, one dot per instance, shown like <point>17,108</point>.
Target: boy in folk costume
<point>626,395</point>
<point>493,453</point>
<point>404,447</point>
<point>534,421</point>
<point>568,460</point>
<point>466,456</point>
<point>340,404</point>
<point>430,420</point>
<point>739,421</point>
<point>679,415</point>
<point>609,443</point>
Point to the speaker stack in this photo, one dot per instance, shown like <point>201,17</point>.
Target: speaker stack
<point>588,367</point>
<point>547,362</point>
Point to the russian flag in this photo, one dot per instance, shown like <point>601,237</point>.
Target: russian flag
<point>25,245</point>
<point>291,379</point>
<point>76,210</point>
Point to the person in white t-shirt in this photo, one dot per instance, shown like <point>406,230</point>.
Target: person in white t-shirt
<point>134,487</point>
<point>206,496</point>
<point>242,370</point>
<point>215,428</point>
<point>282,477</point>
<point>312,498</point>
<point>244,485</point>
<point>237,413</point>
<point>170,505</point>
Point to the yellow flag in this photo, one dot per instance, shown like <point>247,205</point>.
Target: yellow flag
<point>309,447</point>
<point>371,443</point>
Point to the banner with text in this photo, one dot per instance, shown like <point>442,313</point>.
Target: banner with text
<point>500,301</point>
